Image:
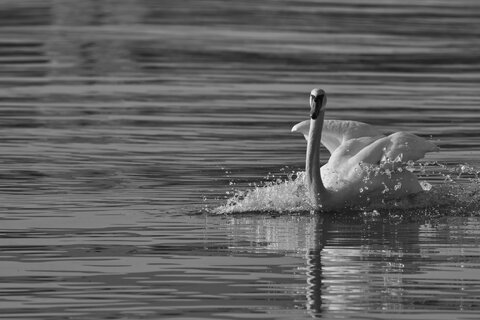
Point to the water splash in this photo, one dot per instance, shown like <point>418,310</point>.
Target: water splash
<point>280,196</point>
<point>448,190</point>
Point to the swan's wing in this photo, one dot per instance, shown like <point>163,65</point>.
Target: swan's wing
<point>361,142</point>
<point>406,146</point>
<point>302,127</point>
<point>335,132</point>
<point>399,146</point>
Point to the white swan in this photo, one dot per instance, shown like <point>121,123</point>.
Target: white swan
<point>344,180</point>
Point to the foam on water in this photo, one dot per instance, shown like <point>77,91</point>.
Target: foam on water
<point>448,189</point>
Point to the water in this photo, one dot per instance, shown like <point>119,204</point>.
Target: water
<point>125,124</point>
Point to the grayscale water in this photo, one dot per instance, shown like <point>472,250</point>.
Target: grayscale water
<point>126,125</point>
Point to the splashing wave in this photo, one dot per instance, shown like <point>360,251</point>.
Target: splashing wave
<point>448,189</point>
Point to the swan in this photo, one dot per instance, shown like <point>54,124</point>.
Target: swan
<point>345,180</point>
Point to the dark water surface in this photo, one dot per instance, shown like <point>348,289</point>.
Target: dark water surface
<point>122,121</point>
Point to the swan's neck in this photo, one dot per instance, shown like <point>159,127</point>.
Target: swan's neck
<point>316,189</point>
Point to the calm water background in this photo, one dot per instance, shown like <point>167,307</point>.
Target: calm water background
<point>121,120</point>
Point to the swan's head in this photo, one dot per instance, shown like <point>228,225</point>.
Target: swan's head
<point>318,100</point>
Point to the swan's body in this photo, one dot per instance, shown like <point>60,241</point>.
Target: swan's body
<point>344,180</point>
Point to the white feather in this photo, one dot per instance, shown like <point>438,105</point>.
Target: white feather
<point>361,142</point>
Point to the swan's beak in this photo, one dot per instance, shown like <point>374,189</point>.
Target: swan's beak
<point>315,107</point>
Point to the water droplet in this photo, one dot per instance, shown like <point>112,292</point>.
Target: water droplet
<point>425,185</point>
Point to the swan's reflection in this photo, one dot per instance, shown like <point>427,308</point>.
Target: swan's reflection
<point>301,236</point>
<point>347,265</point>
